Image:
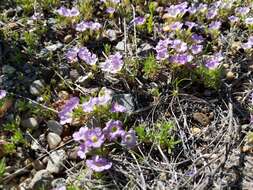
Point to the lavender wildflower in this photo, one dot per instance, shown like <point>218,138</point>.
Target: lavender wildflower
<point>196,49</point>
<point>249,21</point>
<point>71,54</point>
<point>176,26</point>
<point>214,61</point>
<point>212,12</point>
<point>94,138</point>
<point>89,105</point>
<point>181,59</point>
<point>82,151</point>
<point>110,10</point>
<point>63,11</point>
<point>242,11</point>
<point>80,135</point>
<point>113,129</point>
<point>233,19</point>
<point>98,164</point>
<point>116,107</point>
<point>179,45</point>
<point>139,20</point>
<point>190,24</point>
<point>85,55</point>
<point>65,114</point>
<point>161,49</point>
<point>202,7</point>
<point>129,139</point>
<point>113,63</point>
<point>197,38</point>
<point>2,94</point>
<point>215,25</point>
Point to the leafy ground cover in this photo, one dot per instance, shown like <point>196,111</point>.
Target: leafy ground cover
<point>120,94</point>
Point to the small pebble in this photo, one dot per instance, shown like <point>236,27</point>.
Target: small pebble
<point>53,140</point>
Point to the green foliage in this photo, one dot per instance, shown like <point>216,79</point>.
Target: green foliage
<point>211,78</point>
<point>107,49</point>
<point>27,5</point>
<point>150,23</point>
<point>23,106</point>
<point>160,134</point>
<point>86,8</point>
<point>31,39</point>
<point>2,167</point>
<point>150,66</point>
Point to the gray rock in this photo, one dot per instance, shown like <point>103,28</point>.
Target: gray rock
<point>125,100</point>
<point>7,69</point>
<point>53,140</point>
<point>54,47</point>
<point>38,165</point>
<point>30,123</point>
<point>68,38</point>
<point>55,161</point>
<point>10,12</point>
<point>25,184</point>
<point>41,180</point>
<point>120,46</point>
<point>55,127</point>
<point>111,34</point>
<point>37,87</point>
<point>59,182</point>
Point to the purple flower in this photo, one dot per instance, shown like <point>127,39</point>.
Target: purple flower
<point>2,94</point>
<point>139,20</point>
<point>202,7</point>
<point>197,38</point>
<point>212,12</point>
<point>94,138</point>
<point>214,61</point>
<point>192,10</point>
<point>96,26</point>
<point>37,16</point>
<point>113,129</point>
<point>116,107</point>
<point>85,25</point>
<point>233,19</point>
<point>176,26</point>
<point>98,164</point>
<point>177,10</point>
<point>113,63</point>
<point>65,114</point>
<point>82,151</point>
<point>179,45</point>
<point>215,25</point>
<point>250,40</point>
<point>251,118</point>
<point>242,11</point>
<point>85,55</point>
<point>71,54</point>
<point>81,134</point>
<point>63,11</point>
<point>249,21</point>
<point>181,59</point>
<point>89,105</point>
<point>161,49</point>
<point>110,10</point>
<point>190,24</point>
<point>196,49</point>
<point>105,96</point>
<point>246,46</point>
<point>129,139</point>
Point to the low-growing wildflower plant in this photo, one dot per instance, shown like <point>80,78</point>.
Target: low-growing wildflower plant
<point>94,139</point>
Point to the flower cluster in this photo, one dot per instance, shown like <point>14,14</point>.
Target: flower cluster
<point>83,53</point>
<point>63,11</point>
<point>113,64</point>
<point>95,138</point>
<point>88,25</point>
